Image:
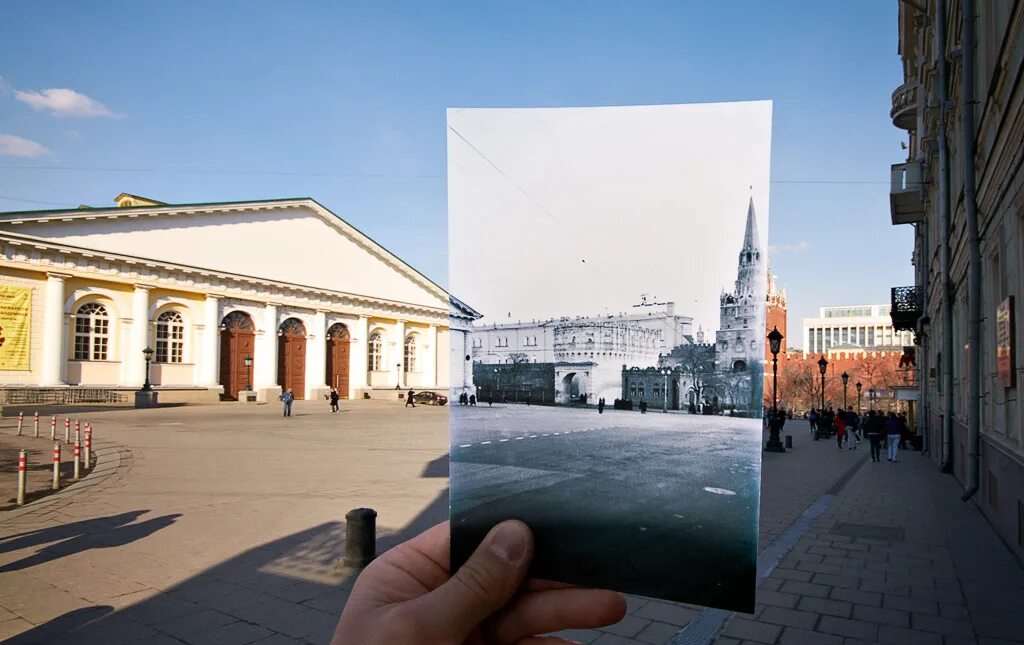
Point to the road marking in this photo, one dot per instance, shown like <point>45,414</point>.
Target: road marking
<point>520,438</point>
<point>484,443</point>
<point>533,436</point>
<point>465,445</point>
<point>556,434</point>
<point>545,435</point>
<point>719,491</point>
<point>502,440</point>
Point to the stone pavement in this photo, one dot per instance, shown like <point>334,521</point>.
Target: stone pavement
<point>222,525</point>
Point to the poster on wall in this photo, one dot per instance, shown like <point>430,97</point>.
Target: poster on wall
<point>1005,362</point>
<point>618,258</point>
<point>15,327</point>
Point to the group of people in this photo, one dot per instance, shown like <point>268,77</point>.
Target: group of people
<point>467,399</point>
<point>848,426</point>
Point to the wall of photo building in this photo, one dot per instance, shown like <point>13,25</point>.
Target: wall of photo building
<point>966,138</point>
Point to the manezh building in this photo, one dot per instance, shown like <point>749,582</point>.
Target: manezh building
<point>252,297</point>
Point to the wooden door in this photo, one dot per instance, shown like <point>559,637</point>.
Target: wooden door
<point>237,340</point>
<point>338,358</point>
<point>291,357</point>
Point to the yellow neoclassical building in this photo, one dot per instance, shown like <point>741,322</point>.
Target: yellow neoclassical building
<point>231,297</point>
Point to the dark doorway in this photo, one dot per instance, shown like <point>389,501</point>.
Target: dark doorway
<point>337,358</point>
<point>291,357</point>
<point>237,340</point>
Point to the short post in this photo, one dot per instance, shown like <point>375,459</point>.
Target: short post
<point>78,430</point>
<point>56,465</point>
<point>22,476</point>
<point>78,460</point>
<point>360,537</point>
<point>35,425</point>
<point>53,428</point>
<point>67,430</point>
<point>21,421</point>
<point>88,446</point>
<point>789,441</point>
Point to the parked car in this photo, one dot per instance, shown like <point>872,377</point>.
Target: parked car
<point>429,398</point>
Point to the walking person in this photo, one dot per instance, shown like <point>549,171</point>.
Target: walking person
<point>409,400</point>
<point>334,399</point>
<point>600,405</point>
<point>873,429</point>
<point>286,398</point>
<point>853,428</point>
<point>892,429</point>
<point>840,429</point>
<point>472,400</point>
<point>812,418</point>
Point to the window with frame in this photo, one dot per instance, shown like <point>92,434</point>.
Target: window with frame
<point>170,338</point>
<point>374,347</point>
<point>410,354</point>
<point>92,332</point>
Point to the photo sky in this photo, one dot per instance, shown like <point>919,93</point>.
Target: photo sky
<point>193,101</point>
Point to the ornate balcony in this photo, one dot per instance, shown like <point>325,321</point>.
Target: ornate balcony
<point>904,106</point>
<point>906,203</point>
<point>907,307</point>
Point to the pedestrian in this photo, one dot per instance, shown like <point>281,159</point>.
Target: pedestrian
<point>812,418</point>
<point>873,429</point>
<point>490,400</point>
<point>334,399</point>
<point>286,398</point>
<point>840,430</point>
<point>853,428</point>
<point>409,400</point>
<point>600,405</point>
<point>892,429</point>
<point>904,430</point>
<point>643,407</point>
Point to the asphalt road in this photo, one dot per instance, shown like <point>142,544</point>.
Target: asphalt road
<point>661,505</point>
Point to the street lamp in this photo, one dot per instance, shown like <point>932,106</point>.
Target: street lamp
<point>148,353</point>
<point>497,376</point>
<point>846,379</point>
<point>822,367</point>
<point>664,403</point>
<point>248,373</point>
<point>774,344</point>
<point>858,386</point>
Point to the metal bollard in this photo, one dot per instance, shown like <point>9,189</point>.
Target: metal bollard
<point>67,430</point>
<point>21,421</point>
<point>789,441</point>
<point>53,428</point>
<point>360,537</point>
<point>35,425</point>
<point>56,465</point>
<point>22,476</point>
<point>88,446</point>
<point>78,460</point>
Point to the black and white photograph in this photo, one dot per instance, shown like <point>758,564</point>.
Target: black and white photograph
<point>609,270</point>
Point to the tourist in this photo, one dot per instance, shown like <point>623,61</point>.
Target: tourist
<point>409,400</point>
<point>334,399</point>
<point>840,428</point>
<point>286,398</point>
<point>812,418</point>
<point>600,405</point>
<point>873,429</point>
<point>472,400</point>
<point>643,407</point>
<point>892,429</point>
<point>852,428</point>
<point>904,430</point>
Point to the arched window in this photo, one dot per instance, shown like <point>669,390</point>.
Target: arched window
<point>170,337</point>
<point>410,354</point>
<point>375,347</point>
<point>92,332</point>
<point>739,366</point>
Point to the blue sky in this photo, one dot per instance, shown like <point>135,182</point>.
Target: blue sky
<point>253,100</point>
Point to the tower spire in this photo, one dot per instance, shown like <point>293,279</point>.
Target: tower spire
<point>750,238</point>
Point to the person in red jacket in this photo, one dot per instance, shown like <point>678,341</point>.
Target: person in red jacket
<point>840,428</point>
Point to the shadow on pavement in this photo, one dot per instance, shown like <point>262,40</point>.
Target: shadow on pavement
<point>287,590</point>
<point>436,468</point>
<point>65,531</point>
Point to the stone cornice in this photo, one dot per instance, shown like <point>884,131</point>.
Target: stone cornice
<point>52,257</point>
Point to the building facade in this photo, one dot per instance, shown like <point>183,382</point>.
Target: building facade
<point>216,292</point>
<point>961,188</point>
<point>857,326</point>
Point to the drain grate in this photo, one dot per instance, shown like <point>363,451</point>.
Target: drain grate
<point>869,531</point>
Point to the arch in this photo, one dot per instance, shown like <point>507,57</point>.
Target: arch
<point>170,337</point>
<point>291,357</point>
<point>237,341</point>
<point>739,366</point>
<point>571,387</point>
<point>92,332</point>
<point>338,353</point>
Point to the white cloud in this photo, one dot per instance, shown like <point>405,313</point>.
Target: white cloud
<point>14,146</point>
<point>64,102</point>
<point>802,245</point>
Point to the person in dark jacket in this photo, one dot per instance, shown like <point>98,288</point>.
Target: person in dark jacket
<point>892,430</point>
<point>286,398</point>
<point>409,400</point>
<point>873,429</point>
<point>334,399</point>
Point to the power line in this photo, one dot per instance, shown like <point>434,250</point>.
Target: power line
<point>34,201</point>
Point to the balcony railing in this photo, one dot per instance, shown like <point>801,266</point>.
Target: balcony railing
<point>904,106</point>
<point>907,307</point>
<point>906,203</point>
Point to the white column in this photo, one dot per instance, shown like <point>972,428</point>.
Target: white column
<point>54,338</point>
<point>316,354</point>
<point>209,350</point>
<point>430,357</point>
<point>357,368</point>
<point>266,350</point>
<point>397,366</point>
<point>133,370</point>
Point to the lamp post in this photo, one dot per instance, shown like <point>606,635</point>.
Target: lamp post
<point>497,376</point>
<point>822,367</point>
<point>846,379</point>
<point>858,386</point>
<point>664,403</point>
<point>148,353</point>
<point>248,373</point>
<point>774,343</point>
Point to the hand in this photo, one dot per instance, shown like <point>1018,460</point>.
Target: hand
<point>408,596</point>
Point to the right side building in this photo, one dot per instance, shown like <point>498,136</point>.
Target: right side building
<point>962,189</point>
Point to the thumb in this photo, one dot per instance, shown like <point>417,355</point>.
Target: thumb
<point>486,582</point>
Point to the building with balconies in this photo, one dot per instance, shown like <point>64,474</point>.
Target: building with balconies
<point>962,189</point>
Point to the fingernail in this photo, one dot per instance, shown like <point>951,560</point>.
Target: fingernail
<point>509,542</point>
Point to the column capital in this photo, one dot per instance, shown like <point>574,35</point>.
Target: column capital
<point>272,304</point>
<point>144,287</point>
<point>213,296</point>
<point>53,275</point>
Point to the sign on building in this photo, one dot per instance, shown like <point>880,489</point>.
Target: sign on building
<point>15,327</point>
<point>1005,361</point>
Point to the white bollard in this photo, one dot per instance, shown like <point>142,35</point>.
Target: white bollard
<point>67,430</point>
<point>35,425</point>
<point>53,428</point>
<point>78,460</point>
<point>88,446</point>
<point>22,476</point>
<point>56,465</point>
<point>21,421</point>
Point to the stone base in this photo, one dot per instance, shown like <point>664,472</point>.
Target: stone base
<point>145,399</point>
<point>248,396</point>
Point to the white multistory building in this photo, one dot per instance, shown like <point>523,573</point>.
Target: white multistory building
<point>853,327</point>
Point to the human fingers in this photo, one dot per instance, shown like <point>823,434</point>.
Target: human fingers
<point>543,612</point>
<point>486,582</point>
<point>541,584</point>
